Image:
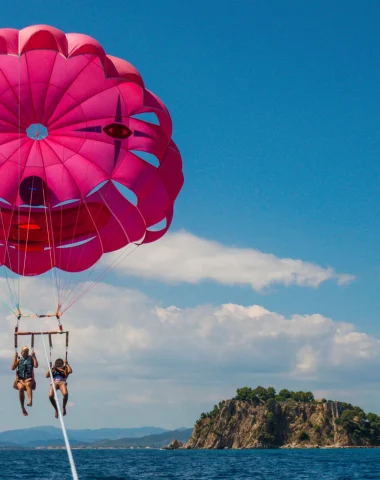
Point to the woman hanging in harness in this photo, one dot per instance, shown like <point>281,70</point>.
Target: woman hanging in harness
<point>25,366</point>
<point>60,371</point>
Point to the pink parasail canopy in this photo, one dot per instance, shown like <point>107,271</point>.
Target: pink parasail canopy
<point>77,141</point>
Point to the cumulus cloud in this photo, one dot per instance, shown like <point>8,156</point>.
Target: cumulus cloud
<point>183,257</point>
<point>129,353</point>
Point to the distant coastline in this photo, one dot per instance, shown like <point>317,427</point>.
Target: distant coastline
<point>256,418</point>
<point>50,438</point>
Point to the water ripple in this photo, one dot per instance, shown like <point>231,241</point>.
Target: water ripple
<point>358,464</point>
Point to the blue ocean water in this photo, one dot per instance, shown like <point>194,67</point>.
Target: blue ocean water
<point>193,465</point>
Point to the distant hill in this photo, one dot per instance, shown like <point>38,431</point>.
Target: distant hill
<point>42,436</point>
<point>56,442</point>
<point>7,444</point>
<point>152,441</point>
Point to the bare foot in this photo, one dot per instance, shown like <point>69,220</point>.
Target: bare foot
<point>24,412</point>
<point>63,412</point>
<point>30,404</point>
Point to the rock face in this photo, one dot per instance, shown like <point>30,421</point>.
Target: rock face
<point>289,424</point>
<point>174,445</point>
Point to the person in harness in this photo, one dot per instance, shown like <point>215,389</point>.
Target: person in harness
<point>25,365</point>
<point>60,371</point>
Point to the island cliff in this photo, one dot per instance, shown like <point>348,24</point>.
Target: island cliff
<point>258,418</point>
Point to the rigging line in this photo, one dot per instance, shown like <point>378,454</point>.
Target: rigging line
<point>50,248</point>
<point>111,267</point>
<point>8,307</point>
<point>67,297</point>
<point>50,229</point>
<point>27,231</point>
<point>19,166</point>
<point>124,254</point>
<point>68,291</point>
<point>65,281</point>
<point>12,302</point>
<point>17,209</point>
<point>11,297</point>
<point>21,171</point>
<point>62,287</point>
<point>124,231</point>
<point>63,427</point>
<point>12,293</point>
<point>55,270</point>
<point>77,217</point>
<point>59,261</point>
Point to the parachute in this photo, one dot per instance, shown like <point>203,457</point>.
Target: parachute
<point>87,161</point>
<point>87,167</point>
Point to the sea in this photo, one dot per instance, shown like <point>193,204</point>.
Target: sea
<point>334,464</point>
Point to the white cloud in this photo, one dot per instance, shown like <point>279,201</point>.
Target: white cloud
<point>135,361</point>
<point>118,323</point>
<point>306,359</point>
<point>183,257</point>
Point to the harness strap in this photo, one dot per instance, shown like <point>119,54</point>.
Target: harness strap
<point>16,330</point>
<point>67,344</point>
<point>59,320</point>
<point>50,347</point>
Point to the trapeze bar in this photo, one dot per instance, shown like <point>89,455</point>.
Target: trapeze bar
<point>32,334</point>
<point>41,333</point>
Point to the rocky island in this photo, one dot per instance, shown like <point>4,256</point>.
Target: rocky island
<point>260,418</point>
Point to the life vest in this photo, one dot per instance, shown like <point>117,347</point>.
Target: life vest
<point>59,372</point>
<point>25,368</point>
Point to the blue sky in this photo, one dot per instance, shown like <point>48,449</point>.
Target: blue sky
<point>275,111</point>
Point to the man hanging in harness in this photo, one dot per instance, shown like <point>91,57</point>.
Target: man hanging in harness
<point>25,366</point>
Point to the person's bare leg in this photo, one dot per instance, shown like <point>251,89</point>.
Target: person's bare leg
<point>65,395</point>
<point>52,400</point>
<point>21,396</point>
<point>29,393</point>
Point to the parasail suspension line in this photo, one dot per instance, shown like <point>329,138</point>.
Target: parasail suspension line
<point>64,433</point>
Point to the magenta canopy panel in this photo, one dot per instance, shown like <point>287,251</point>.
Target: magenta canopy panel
<point>84,170</point>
